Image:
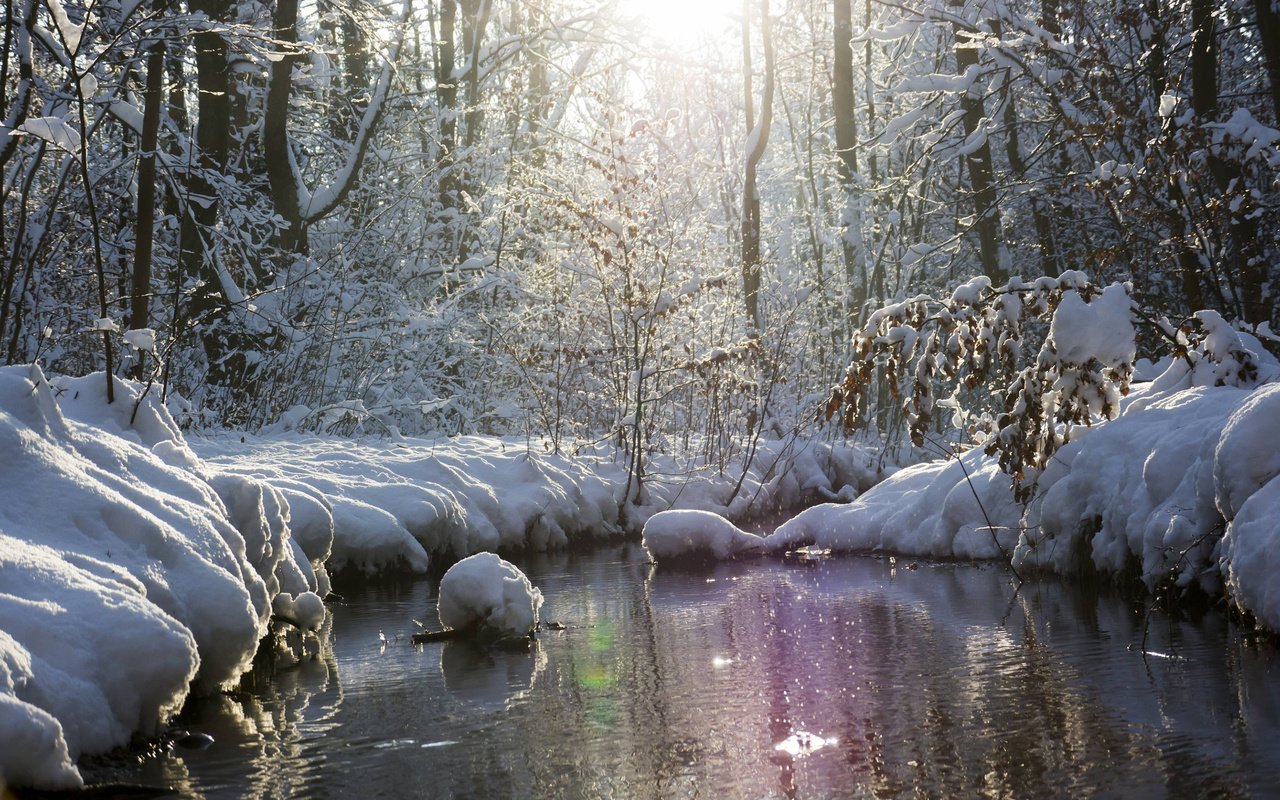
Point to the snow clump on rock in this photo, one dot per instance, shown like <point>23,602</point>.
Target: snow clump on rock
<point>485,593</point>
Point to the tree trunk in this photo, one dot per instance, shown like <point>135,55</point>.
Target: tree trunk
<point>213,142</point>
<point>1050,263</point>
<point>139,315</point>
<point>275,131</point>
<point>1269,36</point>
<point>17,41</point>
<point>476,20</point>
<point>1241,255</point>
<point>447,96</point>
<point>757,142</point>
<point>846,122</point>
<point>978,164</point>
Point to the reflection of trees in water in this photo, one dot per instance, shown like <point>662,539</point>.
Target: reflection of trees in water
<point>946,681</point>
<point>259,730</point>
<point>940,681</point>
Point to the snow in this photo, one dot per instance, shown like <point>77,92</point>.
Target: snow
<point>54,130</point>
<point>685,532</point>
<point>113,544</point>
<point>1183,486</point>
<point>397,505</point>
<point>486,592</point>
<point>938,508</point>
<point>143,339</point>
<point>69,31</point>
<point>1101,328</point>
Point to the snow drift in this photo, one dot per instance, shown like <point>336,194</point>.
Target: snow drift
<point>1184,486</point>
<point>676,534</point>
<point>112,544</point>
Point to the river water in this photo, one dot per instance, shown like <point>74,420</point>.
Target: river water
<point>840,677</point>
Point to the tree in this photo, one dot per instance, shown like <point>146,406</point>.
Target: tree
<point>757,143</point>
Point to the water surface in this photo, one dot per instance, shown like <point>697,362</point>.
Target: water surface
<point>844,677</point>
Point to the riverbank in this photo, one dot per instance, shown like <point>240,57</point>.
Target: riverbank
<point>1181,489</point>
<point>120,536</point>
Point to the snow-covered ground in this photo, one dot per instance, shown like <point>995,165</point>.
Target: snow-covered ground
<point>394,503</point>
<point>112,545</point>
<point>120,537</point>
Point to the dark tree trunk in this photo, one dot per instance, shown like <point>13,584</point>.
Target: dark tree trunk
<point>477,19</point>
<point>213,142</point>
<point>1269,36</point>
<point>978,164</point>
<point>275,131</point>
<point>1050,264</point>
<point>17,42</point>
<point>1242,259</point>
<point>139,314</point>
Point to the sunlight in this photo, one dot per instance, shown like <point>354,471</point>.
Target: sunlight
<point>682,23</point>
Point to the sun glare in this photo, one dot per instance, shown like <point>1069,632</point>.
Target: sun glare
<point>683,22</point>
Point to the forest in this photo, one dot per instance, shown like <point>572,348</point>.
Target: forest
<point>303,293</point>
<point>578,220</point>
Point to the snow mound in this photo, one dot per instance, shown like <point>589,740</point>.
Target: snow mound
<point>689,532</point>
<point>1138,490</point>
<point>114,544</point>
<point>1101,329</point>
<point>961,508</point>
<point>392,504</point>
<point>485,592</point>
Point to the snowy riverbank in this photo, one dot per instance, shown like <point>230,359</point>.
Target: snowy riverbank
<point>1183,488</point>
<point>120,537</point>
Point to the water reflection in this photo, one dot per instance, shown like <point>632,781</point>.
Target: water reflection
<point>823,678</point>
<point>488,679</point>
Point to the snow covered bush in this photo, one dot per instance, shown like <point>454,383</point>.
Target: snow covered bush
<point>489,595</point>
<point>1024,407</point>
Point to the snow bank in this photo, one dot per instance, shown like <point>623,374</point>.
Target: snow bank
<point>1184,486</point>
<point>783,474</point>
<point>960,508</point>
<point>398,502</point>
<point>486,593</point>
<point>1139,490</point>
<point>113,544</point>
<point>683,533</point>
<point>393,503</point>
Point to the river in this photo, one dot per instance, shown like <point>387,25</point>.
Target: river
<point>826,678</point>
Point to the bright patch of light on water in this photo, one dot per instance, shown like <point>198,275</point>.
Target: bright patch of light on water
<point>802,743</point>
